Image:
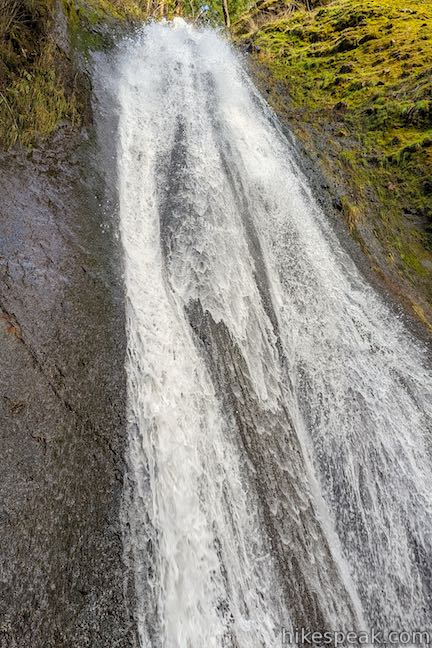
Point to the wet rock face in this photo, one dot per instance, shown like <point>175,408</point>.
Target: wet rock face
<point>62,405</point>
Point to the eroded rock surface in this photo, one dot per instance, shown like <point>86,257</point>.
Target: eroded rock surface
<point>62,404</point>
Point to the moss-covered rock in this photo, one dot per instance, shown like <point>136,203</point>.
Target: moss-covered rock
<point>367,80</point>
<point>41,44</point>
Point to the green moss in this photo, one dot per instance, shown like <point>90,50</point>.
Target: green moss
<point>365,67</point>
<point>37,87</point>
<point>33,99</point>
<point>35,102</point>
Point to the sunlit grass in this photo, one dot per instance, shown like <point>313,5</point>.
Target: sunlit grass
<point>366,66</point>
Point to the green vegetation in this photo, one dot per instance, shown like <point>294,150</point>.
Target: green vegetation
<point>356,80</point>
<point>362,72</point>
<point>39,83</point>
<point>33,99</point>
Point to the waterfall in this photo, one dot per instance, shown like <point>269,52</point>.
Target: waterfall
<point>279,412</point>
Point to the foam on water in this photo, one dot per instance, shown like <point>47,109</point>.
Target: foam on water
<point>279,414</point>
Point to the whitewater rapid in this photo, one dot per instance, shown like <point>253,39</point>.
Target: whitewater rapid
<point>279,413</point>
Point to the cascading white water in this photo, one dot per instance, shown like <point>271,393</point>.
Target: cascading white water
<point>279,453</point>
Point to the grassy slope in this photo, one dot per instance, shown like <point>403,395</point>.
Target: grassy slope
<point>39,85</point>
<point>365,67</point>
<point>30,97</point>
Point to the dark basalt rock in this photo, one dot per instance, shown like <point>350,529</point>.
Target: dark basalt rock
<point>62,406</point>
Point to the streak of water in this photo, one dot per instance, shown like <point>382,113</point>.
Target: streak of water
<point>279,452</point>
